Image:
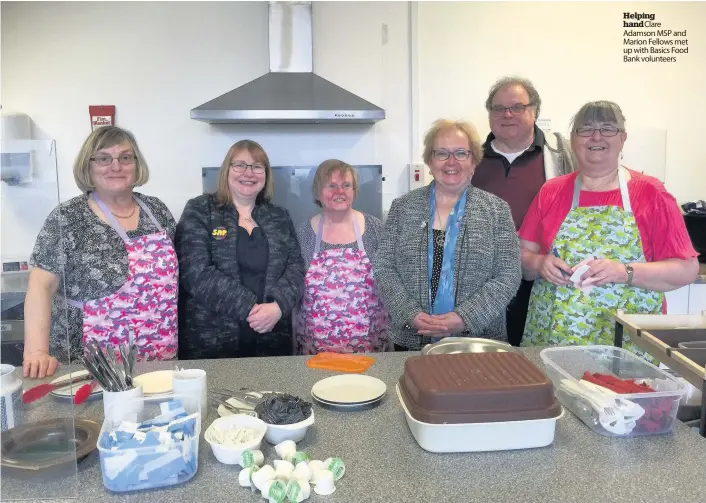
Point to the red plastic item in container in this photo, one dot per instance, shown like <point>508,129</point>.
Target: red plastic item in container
<point>657,410</point>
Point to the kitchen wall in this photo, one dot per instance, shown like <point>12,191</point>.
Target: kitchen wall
<point>573,52</point>
<point>156,60</point>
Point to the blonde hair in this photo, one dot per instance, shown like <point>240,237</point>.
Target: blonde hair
<point>324,173</point>
<point>222,194</point>
<point>101,138</point>
<point>439,125</point>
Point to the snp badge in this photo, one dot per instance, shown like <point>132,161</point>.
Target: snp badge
<point>219,233</point>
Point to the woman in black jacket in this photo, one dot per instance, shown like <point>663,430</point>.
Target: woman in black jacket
<point>240,268</point>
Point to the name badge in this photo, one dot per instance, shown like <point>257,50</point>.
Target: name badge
<point>219,233</point>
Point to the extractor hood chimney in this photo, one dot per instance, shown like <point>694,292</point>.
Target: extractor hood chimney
<point>290,92</point>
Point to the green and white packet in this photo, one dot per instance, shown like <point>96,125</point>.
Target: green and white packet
<point>298,490</point>
<point>335,466</point>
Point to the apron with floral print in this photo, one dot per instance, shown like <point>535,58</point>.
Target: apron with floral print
<point>567,315</point>
<point>341,310</point>
<point>145,303</point>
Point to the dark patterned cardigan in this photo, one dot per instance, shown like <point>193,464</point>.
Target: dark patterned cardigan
<point>213,301</point>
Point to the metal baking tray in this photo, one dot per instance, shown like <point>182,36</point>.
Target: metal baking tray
<point>455,345</point>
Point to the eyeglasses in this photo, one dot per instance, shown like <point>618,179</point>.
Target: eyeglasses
<point>587,131</point>
<point>106,160</point>
<point>460,154</point>
<point>516,109</point>
<point>346,186</point>
<point>241,167</point>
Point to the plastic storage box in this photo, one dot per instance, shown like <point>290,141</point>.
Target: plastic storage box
<point>149,467</point>
<point>477,402</point>
<point>565,366</point>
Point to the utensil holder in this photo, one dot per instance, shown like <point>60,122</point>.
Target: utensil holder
<point>122,405</point>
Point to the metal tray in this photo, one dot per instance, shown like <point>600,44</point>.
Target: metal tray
<point>454,345</point>
<point>46,444</point>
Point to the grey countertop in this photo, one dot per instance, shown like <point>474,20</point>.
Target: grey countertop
<point>384,462</point>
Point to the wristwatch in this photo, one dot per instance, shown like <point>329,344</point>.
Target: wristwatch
<point>629,270</point>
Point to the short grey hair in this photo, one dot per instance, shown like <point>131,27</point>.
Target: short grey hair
<point>534,98</point>
<point>598,111</point>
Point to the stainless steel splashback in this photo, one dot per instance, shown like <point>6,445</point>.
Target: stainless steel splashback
<point>292,186</point>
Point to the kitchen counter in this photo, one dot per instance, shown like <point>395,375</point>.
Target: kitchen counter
<point>384,462</point>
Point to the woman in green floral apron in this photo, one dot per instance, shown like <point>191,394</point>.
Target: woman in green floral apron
<point>599,216</point>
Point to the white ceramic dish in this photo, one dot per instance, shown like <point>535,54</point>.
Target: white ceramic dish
<point>480,437</point>
<point>154,383</point>
<point>295,432</point>
<point>349,389</point>
<point>347,407</point>
<point>230,454</point>
<point>68,392</point>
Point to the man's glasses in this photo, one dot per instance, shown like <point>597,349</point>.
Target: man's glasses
<point>516,109</point>
<point>106,160</point>
<point>460,154</point>
<point>587,131</point>
<point>242,167</point>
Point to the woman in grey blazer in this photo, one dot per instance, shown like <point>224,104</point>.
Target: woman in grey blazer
<point>449,260</point>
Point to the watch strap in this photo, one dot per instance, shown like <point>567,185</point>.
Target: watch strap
<point>630,272</point>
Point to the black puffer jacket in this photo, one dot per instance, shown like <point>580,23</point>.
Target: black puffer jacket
<point>212,299</point>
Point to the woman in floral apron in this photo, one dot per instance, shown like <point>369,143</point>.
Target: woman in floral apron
<point>341,311</point>
<point>104,267</point>
<point>622,224</point>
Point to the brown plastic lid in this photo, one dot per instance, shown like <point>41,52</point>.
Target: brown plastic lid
<point>476,388</point>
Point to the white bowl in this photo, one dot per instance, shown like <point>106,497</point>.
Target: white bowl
<point>277,433</point>
<point>230,454</point>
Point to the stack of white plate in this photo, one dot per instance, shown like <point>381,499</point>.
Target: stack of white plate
<point>349,392</point>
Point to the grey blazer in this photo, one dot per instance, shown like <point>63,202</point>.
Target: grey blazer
<point>487,268</point>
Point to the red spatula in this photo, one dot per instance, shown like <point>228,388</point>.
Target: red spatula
<point>42,390</point>
<point>84,392</point>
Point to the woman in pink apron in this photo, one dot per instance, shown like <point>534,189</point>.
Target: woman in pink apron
<point>341,310</point>
<point>104,267</point>
<point>146,304</point>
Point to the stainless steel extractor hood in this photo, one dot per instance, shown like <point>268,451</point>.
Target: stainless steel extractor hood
<point>290,92</point>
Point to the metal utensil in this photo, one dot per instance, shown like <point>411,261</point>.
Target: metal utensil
<point>248,397</point>
<point>107,367</point>
<point>118,369</point>
<point>454,345</point>
<point>99,361</point>
<point>105,383</point>
<point>126,364</point>
<point>230,407</point>
<point>133,358</point>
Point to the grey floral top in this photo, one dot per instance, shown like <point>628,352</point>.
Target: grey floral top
<point>90,258</point>
<point>371,236</point>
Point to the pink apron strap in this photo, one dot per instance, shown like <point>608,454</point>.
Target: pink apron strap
<point>114,223</point>
<point>320,231</point>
